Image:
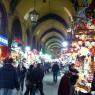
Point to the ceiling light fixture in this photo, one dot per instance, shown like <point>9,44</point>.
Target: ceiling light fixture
<point>34,15</point>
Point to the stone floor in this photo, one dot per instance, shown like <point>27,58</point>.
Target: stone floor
<point>50,88</point>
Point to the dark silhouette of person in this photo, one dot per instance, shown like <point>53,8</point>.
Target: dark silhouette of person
<point>55,69</point>
<point>72,68</point>
<point>21,70</point>
<point>8,78</point>
<point>66,86</point>
<point>37,78</point>
<point>29,81</point>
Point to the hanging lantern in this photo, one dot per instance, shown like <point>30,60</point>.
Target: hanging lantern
<point>34,15</point>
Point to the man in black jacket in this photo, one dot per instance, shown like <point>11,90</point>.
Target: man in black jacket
<point>55,69</point>
<point>37,78</point>
<point>8,78</point>
<point>21,71</point>
<point>29,82</point>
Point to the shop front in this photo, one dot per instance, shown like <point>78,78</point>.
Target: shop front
<point>3,47</point>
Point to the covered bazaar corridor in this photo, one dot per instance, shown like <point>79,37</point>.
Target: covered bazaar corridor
<point>57,36</point>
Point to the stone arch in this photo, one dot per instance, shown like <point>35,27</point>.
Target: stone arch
<point>16,29</point>
<point>16,32</point>
<point>3,21</point>
<point>28,37</point>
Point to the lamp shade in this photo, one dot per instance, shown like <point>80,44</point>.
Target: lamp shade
<point>34,15</point>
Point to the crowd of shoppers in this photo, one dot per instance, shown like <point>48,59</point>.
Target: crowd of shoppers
<point>12,77</point>
<point>34,80</point>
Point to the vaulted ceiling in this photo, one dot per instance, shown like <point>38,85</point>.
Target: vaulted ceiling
<point>55,18</point>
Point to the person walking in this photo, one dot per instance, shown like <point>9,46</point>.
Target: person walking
<point>55,69</point>
<point>21,70</point>
<point>37,78</point>
<point>8,78</point>
<point>29,82</point>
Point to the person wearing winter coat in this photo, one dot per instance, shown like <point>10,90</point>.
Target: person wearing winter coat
<point>29,82</point>
<point>55,70</point>
<point>37,78</point>
<point>66,86</point>
<point>21,71</point>
<point>8,78</point>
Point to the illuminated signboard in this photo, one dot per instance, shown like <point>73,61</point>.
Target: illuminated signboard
<point>3,40</point>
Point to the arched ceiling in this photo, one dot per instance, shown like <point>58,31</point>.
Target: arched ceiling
<point>48,24</point>
<point>54,40</point>
<point>50,34</point>
<point>53,37</point>
<point>54,31</point>
<point>53,6</point>
<point>54,45</point>
<point>55,18</point>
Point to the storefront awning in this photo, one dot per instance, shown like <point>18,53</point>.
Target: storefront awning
<point>3,40</point>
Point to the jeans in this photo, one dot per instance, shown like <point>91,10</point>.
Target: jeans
<point>4,91</point>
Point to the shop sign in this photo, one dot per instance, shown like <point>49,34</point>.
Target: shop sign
<point>3,40</point>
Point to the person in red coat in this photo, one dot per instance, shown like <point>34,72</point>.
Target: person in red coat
<point>66,86</point>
